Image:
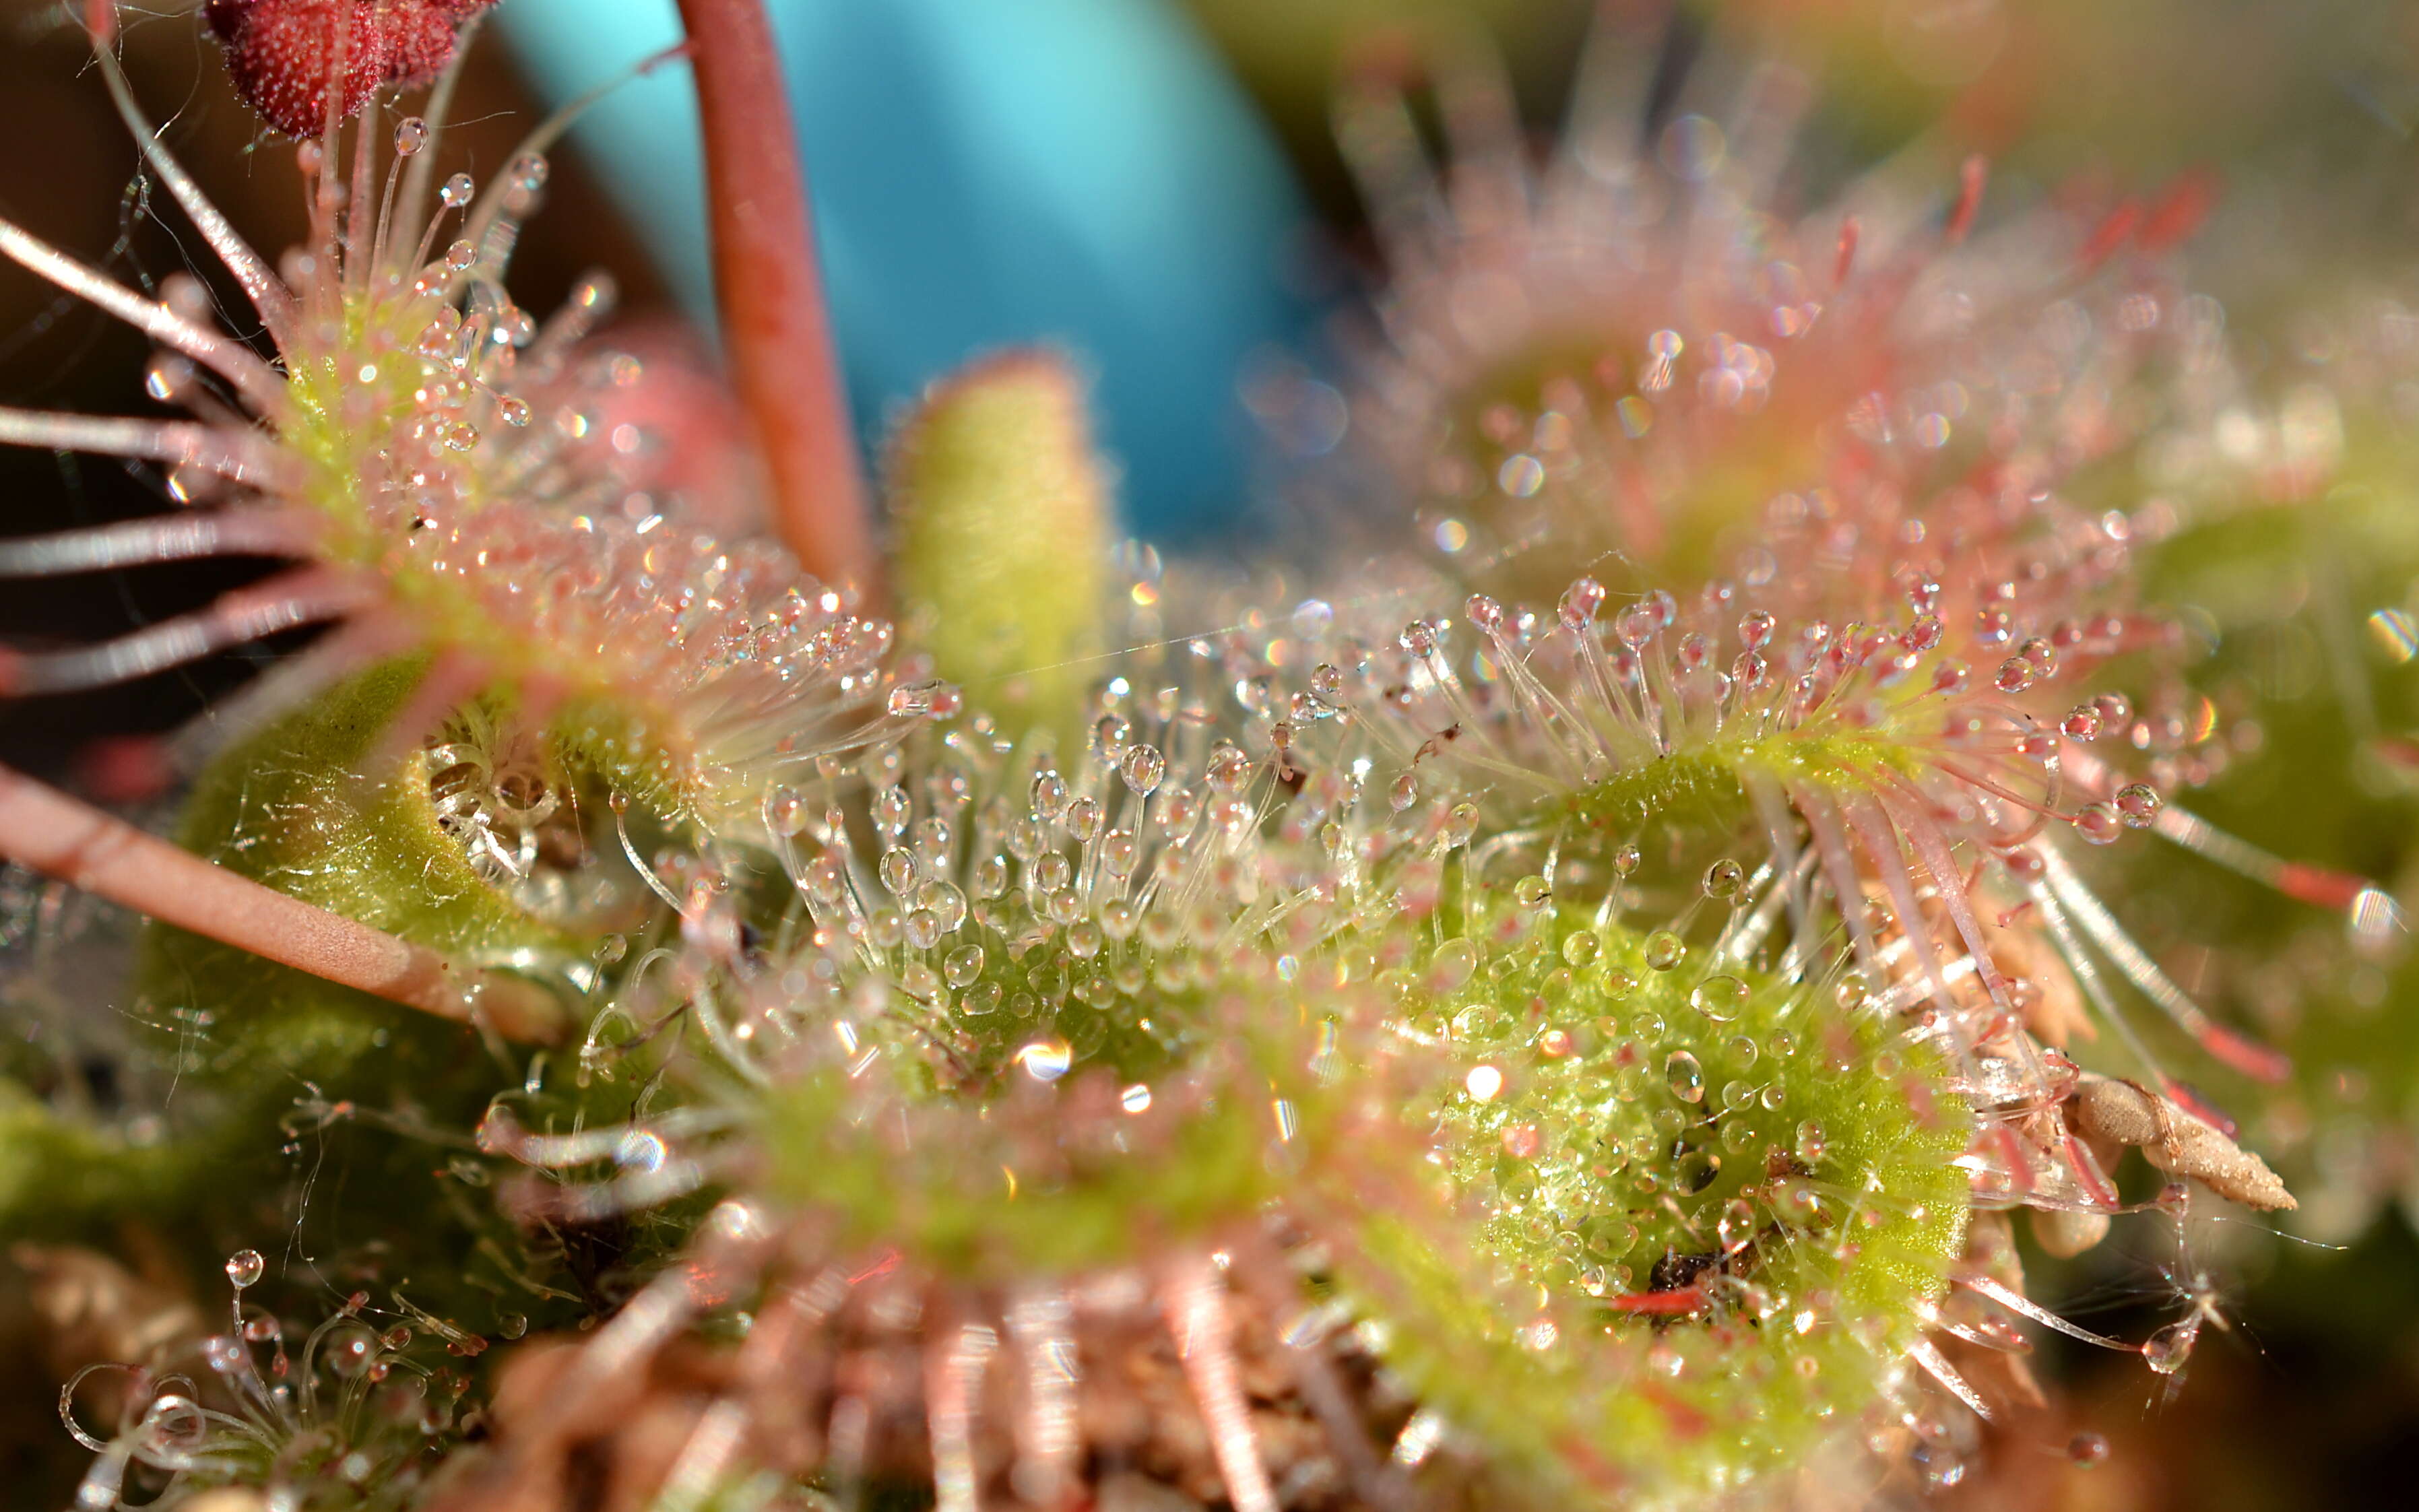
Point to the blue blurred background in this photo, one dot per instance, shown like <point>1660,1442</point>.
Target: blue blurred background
<point>988,172</point>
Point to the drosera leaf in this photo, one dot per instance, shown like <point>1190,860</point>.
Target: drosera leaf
<point>294,808</point>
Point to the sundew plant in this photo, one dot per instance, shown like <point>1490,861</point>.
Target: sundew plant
<point>1551,987</point>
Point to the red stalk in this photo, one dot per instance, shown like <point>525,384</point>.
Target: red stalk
<point>55,835</point>
<point>770,291</point>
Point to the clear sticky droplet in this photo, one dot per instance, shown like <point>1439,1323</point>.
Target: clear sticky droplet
<point>2166,1350</point>
<point>787,813</point>
<point>981,998</point>
<point>1142,767</point>
<point>963,965</point>
<point>1723,878</point>
<point>1736,1226</point>
<point>1719,998</point>
<point>245,1267</point>
<point>1452,965</point>
<point>1684,1076</point>
<point>1664,951</point>
<point>2137,805</point>
<point>2099,824</point>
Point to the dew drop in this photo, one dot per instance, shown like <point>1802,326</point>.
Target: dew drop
<point>899,870</point>
<point>1719,998</point>
<point>1685,1076</point>
<point>917,701</point>
<point>1580,604</point>
<point>1047,1059</point>
<point>1229,768</point>
<point>1664,951</point>
<point>786,812</point>
<point>1461,825</point>
<point>1452,965</point>
<point>2137,805</point>
<point>963,965</point>
<point>2099,824</point>
<point>1480,1024</point>
<point>244,1268</point>
<point>1738,1226</point>
<point>1695,1171</point>
<point>1142,767</point>
<point>2166,1350</point>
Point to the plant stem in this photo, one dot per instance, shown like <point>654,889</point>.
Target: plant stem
<point>52,833</point>
<point>775,322</point>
